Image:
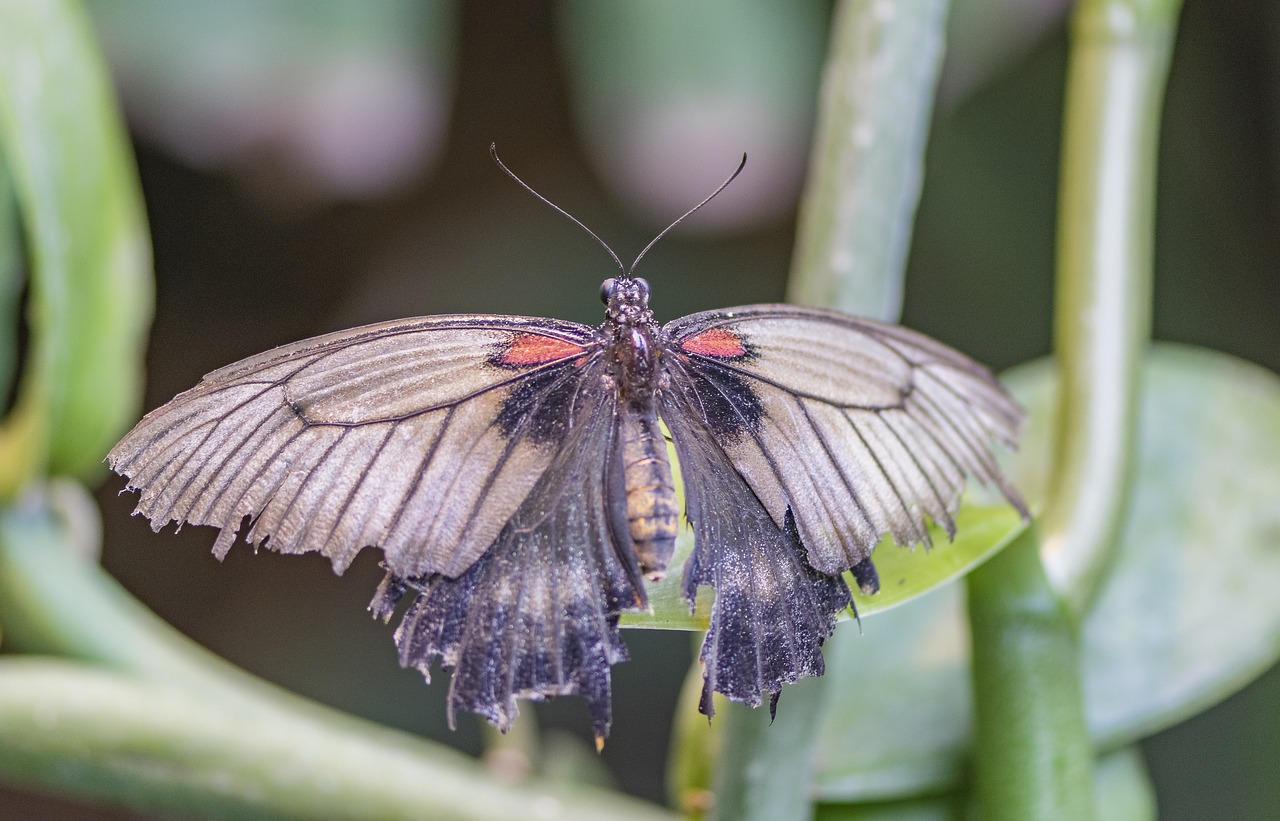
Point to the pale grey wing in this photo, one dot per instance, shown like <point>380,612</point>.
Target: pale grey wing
<point>420,437</point>
<point>858,428</point>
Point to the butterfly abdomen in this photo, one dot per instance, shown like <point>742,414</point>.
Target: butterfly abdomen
<point>652,513</point>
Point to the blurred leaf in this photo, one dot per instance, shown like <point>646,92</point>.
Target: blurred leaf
<point>695,747</point>
<point>78,198</point>
<point>145,718</point>
<point>668,95</point>
<point>152,747</point>
<point>55,598</point>
<point>945,808</point>
<point>760,773</point>
<point>568,759</point>
<point>904,728</point>
<point>1187,615</point>
<point>1120,787</point>
<point>1193,593</point>
<point>322,99</point>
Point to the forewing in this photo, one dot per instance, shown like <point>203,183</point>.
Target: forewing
<point>855,427</point>
<point>420,436</point>
<point>772,610</point>
<point>537,614</point>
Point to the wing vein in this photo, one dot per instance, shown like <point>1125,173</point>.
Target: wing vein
<point>453,403</point>
<point>893,486</point>
<point>888,422</point>
<point>826,448</point>
<point>211,502</point>
<point>186,485</point>
<point>356,486</point>
<point>768,456</point>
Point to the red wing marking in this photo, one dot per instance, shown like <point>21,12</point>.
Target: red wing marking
<point>535,349</point>
<point>715,342</point>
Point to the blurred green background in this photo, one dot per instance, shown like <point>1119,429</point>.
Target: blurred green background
<point>313,166</point>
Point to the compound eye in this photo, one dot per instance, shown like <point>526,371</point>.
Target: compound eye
<point>606,289</point>
<point>644,286</point>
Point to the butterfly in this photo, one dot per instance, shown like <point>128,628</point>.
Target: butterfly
<point>514,473</point>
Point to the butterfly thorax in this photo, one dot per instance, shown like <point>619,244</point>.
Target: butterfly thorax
<point>632,337</point>
<point>634,353</point>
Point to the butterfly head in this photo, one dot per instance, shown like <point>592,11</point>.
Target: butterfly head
<point>626,300</point>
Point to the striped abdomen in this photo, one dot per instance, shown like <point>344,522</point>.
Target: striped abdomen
<point>652,514</point>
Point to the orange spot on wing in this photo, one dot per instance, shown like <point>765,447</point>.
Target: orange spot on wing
<point>534,349</point>
<point>715,342</point>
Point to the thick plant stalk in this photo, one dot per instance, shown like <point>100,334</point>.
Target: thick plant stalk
<point>855,224</point>
<point>1032,750</point>
<point>152,747</point>
<point>864,177</point>
<point>1102,314</point>
<point>1033,756</point>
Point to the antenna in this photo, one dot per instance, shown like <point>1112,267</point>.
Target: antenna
<point>493,152</point>
<point>663,233</point>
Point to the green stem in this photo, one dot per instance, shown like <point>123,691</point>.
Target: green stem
<point>157,748</point>
<point>55,600</point>
<point>89,259</point>
<point>855,224</point>
<point>1032,750</point>
<point>864,178</point>
<point>159,723</point>
<point>1033,757</point>
<point>1115,81</point>
<point>766,766</point>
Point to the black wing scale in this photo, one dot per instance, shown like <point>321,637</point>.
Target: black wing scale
<point>537,614</point>
<point>772,610</point>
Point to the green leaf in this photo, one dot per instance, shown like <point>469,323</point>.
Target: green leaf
<point>78,199</point>
<point>902,724</point>
<point>1121,789</point>
<point>695,744</point>
<point>1121,792</point>
<point>666,91</point>
<point>904,574</point>
<point>1193,593</point>
<point>1187,615</point>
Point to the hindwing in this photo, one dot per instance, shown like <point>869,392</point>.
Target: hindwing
<point>772,610</point>
<point>537,614</point>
